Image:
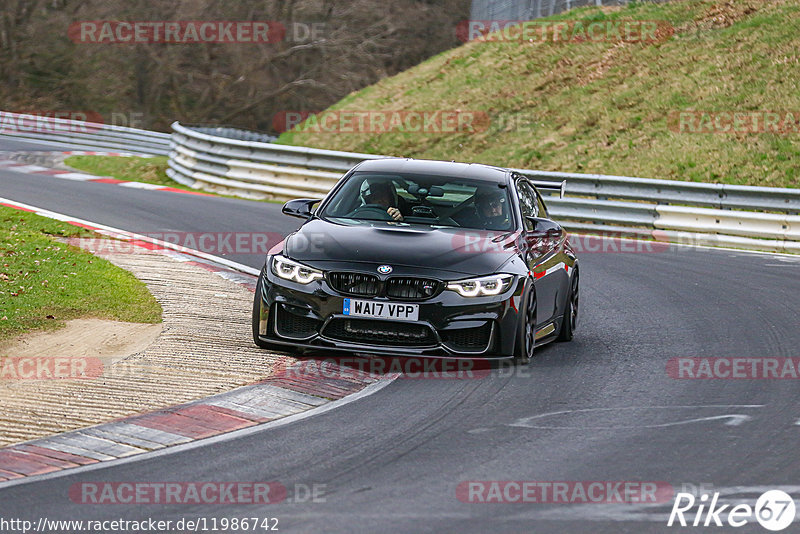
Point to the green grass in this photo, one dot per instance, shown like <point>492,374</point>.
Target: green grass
<point>44,282</point>
<point>133,169</point>
<point>601,107</point>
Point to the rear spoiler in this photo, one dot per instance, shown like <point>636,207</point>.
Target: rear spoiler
<point>551,186</point>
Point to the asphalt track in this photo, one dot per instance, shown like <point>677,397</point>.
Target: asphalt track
<point>391,462</point>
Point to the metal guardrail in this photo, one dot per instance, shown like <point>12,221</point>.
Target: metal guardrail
<point>247,164</point>
<point>310,158</point>
<point>720,196</point>
<point>86,135</point>
<point>710,214</point>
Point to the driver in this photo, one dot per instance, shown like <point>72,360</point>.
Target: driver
<point>490,206</point>
<point>382,194</point>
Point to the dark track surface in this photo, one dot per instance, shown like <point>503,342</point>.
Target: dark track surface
<point>151,212</point>
<point>391,461</point>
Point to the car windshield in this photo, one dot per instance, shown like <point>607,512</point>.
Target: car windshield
<point>423,200</point>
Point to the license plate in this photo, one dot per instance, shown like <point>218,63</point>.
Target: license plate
<point>381,310</point>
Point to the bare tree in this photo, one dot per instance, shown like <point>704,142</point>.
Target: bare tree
<point>330,49</point>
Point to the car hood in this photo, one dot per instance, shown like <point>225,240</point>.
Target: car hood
<point>472,252</point>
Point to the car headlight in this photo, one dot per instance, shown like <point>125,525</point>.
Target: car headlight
<point>483,286</point>
<point>288,269</point>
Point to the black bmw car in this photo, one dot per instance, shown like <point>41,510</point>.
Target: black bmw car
<point>421,258</point>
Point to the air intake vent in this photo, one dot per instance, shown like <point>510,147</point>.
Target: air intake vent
<point>290,325</point>
<point>358,284</point>
<point>374,332</point>
<point>412,288</point>
<point>468,339</point>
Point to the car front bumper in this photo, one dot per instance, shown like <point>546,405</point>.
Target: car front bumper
<point>449,325</point>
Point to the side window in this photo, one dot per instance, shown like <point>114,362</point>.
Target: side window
<point>540,203</point>
<point>528,202</point>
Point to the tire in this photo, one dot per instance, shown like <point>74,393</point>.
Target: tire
<point>526,329</point>
<point>570,320</point>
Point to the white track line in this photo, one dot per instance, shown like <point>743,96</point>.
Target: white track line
<point>131,235</point>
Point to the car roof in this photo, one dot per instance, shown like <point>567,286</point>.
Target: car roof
<point>472,171</point>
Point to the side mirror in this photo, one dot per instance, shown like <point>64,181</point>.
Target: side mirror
<point>300,207</point>
<point>545,227</point>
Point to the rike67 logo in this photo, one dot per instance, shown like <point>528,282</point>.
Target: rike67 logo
<point>774,510</point>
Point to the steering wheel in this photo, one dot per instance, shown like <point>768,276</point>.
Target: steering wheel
<point>375,209</point>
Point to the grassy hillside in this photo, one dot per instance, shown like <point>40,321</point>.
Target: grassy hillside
<point>608,107</point>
